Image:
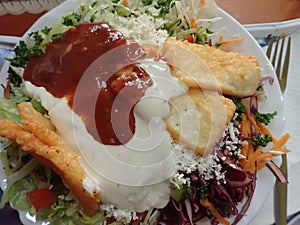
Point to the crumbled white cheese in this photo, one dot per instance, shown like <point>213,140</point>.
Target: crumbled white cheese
<point>119,214</point>
<point>145,29</point>
<point>101,84</point>
<point>187,162</point>
<point>138,83</point>
<point>179,180</point>
<point>90,186</point>
<point>231,141</point>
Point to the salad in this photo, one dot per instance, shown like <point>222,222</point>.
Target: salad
<point>191,185</point>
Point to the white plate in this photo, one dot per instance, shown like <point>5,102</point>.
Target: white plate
<point>228,28</point>
<point>261,30</point>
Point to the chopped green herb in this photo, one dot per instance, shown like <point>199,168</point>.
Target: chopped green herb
<point>240,108</point>
<point>181,193</point>
<point>203,192</point>
<point>265,118</point>
<point>171,27</point>
<point>23,52</point>
<point>92,19</point>
<point>260,87</point>
<point>164,6</point>
<point>201,35</point>
<point>261,140</point>
<point>147,2</point>
<point>71,19</point>
<point>217,45</point>
<point>93,4</point>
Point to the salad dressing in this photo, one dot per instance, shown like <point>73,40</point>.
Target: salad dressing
<point>92,91</point>
<point>135,174</point>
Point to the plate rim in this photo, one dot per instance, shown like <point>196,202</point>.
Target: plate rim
<point>261,30</point>
<point>245,29</point>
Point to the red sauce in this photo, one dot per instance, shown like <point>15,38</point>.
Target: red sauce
<point>93,67</point>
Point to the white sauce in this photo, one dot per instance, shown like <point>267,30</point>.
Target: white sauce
<point>138,173</point>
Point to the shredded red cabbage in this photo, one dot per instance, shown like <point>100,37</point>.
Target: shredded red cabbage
<point>268,78</point>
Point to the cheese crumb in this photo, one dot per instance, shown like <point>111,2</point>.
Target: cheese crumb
<point>188,162</point>
<point>179,180</point>
<point>119,214</point>
<point>231,141</point>
<point>145,29</point>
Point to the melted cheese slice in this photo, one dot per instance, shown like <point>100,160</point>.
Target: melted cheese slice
<point>198,119</point>
<point>207,67</point>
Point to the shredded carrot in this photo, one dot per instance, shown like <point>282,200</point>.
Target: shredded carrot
<point>245,149</point>
<point>281,142</point>
<point>250,149</point>
<point>221,39</point>
<point>7,90</point>
<point>229,41</point>
<point>264,155</point>
<point>252,121</point>
<point>214,211</point>
<point>245,129</point>
<point>250,164</point>
<point>125,2</point>
<point>192,23</point>
<point>261,164</point>
<point>203,1</point>
<point>257,159</point>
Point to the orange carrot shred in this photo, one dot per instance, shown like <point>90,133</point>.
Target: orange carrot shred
<point>252,121</point>
<point>7,90</point>
<point>221,38</point>
<point>245,130</point>
<point>214,211</point>
<point>261,164</point>
<point>264,155</point>
<point>281,142</point>
<point>192,23</point>
<point>256,160</point>
<point>203,1</point>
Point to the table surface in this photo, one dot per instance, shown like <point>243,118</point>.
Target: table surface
<point>16,25</point>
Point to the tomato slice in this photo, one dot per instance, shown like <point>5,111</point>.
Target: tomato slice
<point>41,198</point>
<point>189,38</point>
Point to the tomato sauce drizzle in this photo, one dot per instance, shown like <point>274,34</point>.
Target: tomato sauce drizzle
<point>95,68</point>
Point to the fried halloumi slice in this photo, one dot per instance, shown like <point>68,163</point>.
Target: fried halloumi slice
<point>38,138</point>
<point>231,73</point>
<point>198,119</point>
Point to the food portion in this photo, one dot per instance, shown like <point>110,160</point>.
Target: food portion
<point>231,73</point>
<point>37,137</point>
<point>126,122</point>
<point>105,68</point>
<point>112,109</point>
<point>199,118</point>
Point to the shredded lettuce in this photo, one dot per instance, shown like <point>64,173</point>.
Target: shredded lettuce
<point>8,110</point>
<point>69,212</point>
<point>16,194</point>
